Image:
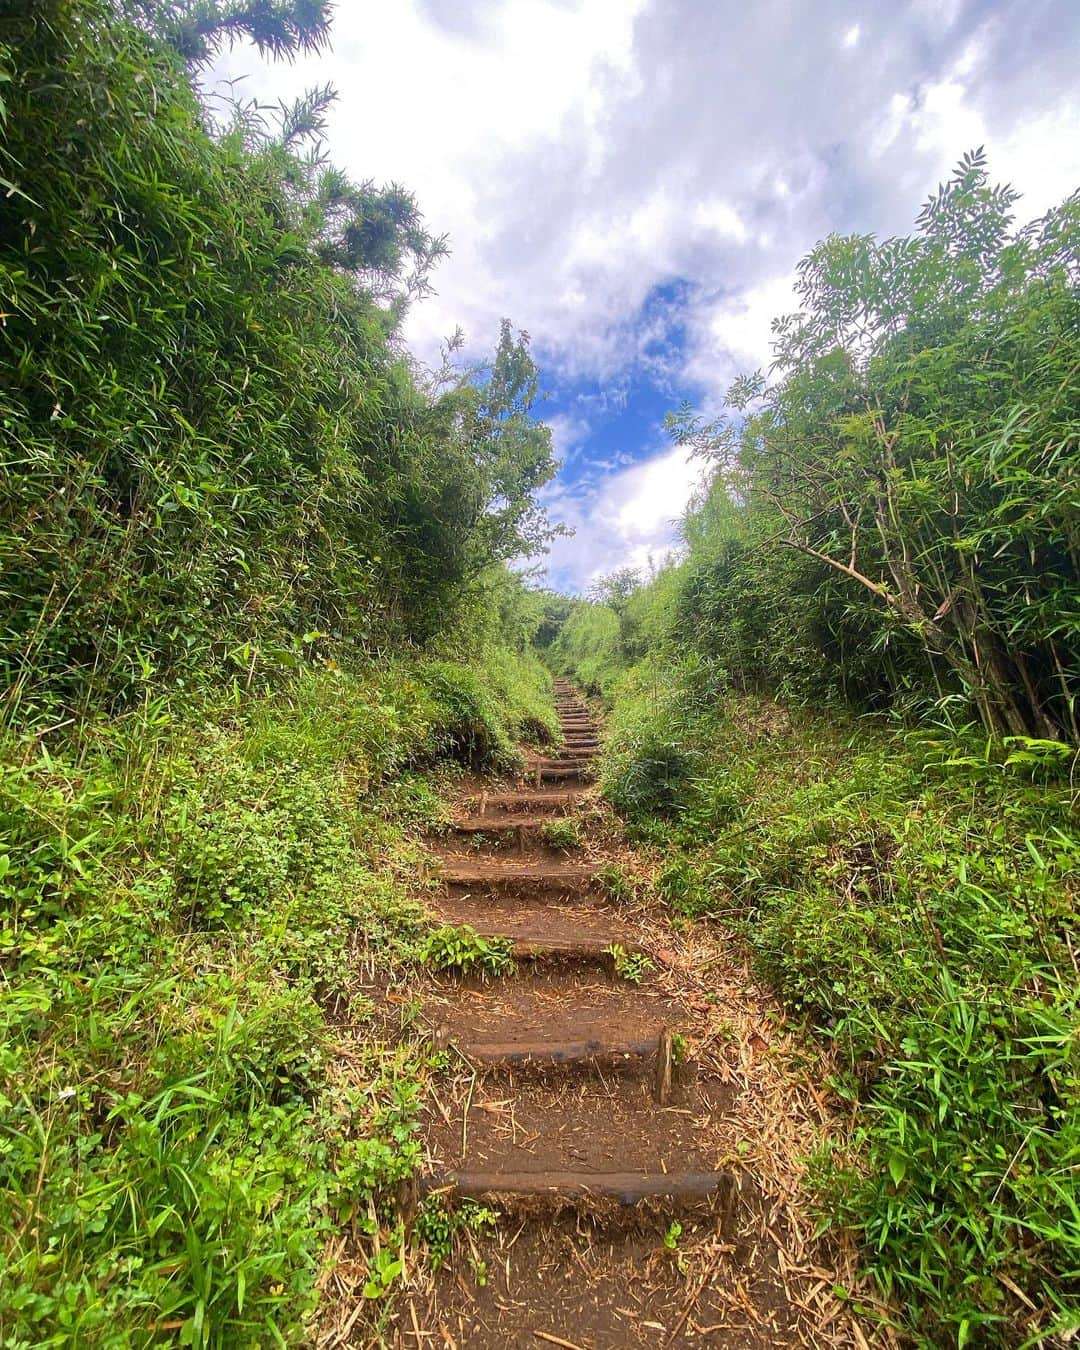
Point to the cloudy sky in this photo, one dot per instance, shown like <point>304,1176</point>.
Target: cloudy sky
<point>634,181</point>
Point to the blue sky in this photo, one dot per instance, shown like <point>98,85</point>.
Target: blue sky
<point>634,181</point>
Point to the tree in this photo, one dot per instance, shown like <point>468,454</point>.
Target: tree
<point>919,441</point>
<point>198,29</point>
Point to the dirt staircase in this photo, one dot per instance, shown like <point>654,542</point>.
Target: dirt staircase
<point>569,1112</point>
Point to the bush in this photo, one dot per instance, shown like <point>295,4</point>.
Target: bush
<point>185,896</point>
<point>913,897</point>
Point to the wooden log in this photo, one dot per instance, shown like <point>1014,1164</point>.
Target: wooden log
<point>542,872</point>
<point>511,1054</point>
<point>528,799</point>
<point>498,824</point>
<point>560,949</point>
<point>564,773</point>
<point>622,1189</point>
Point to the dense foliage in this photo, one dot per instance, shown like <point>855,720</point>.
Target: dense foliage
<point>916,450</point>
<point>890,528</point>
<point>215,452</point>
<point>194,1093</point>
<point>254,596</point>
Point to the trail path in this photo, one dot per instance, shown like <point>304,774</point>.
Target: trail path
<point>572,1117</point>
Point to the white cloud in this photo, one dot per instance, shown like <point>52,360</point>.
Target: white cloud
<point>732,334</point>
<point>568,432</point>
<point>629,519</point>
<point>721,218</point>
<point>583,153</point>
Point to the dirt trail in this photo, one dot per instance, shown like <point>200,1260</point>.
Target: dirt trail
<point>637,1140</point>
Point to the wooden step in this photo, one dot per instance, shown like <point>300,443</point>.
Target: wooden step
<point>564,773</point>
<point>595,951</point>
<point>506,822</point>
<point>599,1194</point>
<point>595,1052</point>
<point>531,799</point>
<point>540,873</point>
<point>517,1054</point>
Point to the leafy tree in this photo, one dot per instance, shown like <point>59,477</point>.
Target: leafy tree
<point>214,445</point>
<point>198,29</point>
<point>615,588</point>
<point>919,442</point>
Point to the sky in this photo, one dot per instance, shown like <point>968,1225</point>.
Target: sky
<point>633,182</point>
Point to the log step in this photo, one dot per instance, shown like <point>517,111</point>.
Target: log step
<point>515,1054</point>
<point>592,1192</point>
<point>554,802</point>
<point>612,1054</point>
<point>533,873</point>
<point>561,949</point>
<point>499,824</point>
<point>565,773</point>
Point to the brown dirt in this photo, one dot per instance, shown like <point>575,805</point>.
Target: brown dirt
<point>747,1103</point>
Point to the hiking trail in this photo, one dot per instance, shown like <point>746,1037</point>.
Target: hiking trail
<point>638,1141</point>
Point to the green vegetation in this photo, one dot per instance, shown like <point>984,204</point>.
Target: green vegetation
<point>630,966</point>
<point>848,716</point>
<point>462,950</point>
<point>617,883</point>
<point>187,908</point>
<point>437,1226</point>
<point>219,462</point>
<point>564,833</point>
<point>255,603</point>
<point>254,597</point>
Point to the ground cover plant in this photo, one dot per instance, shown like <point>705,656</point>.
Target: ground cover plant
<point>187,907</point>
<point>462,950</point>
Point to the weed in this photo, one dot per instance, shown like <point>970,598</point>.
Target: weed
<point>913,900</point>
<point>180,913</point>
<point>562,833</point>
<point>617,883</point>
<point>436,1225</point>
<point>384,1268</point>
<point>631,966</point>
<point>462,949</point>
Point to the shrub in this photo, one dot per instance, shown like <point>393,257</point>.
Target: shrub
<point>564,833</point>
<point>462,950</point>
